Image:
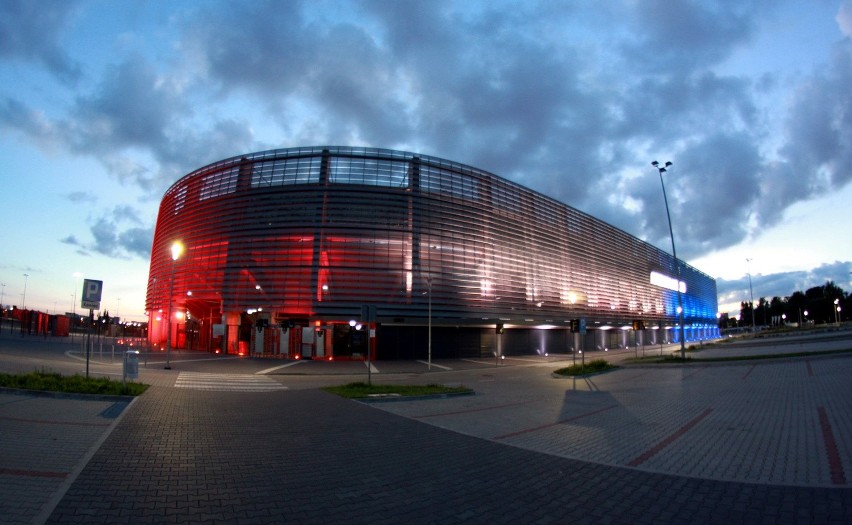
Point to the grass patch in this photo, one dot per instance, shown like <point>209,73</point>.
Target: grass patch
<point>658,359</point>
<point>592,367</point>
<point>363,390</point>
<point>76,384</point>
<point>676,358</point>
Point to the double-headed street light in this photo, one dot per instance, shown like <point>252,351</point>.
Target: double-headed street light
<point>177,250</point>
<point>661,170</point>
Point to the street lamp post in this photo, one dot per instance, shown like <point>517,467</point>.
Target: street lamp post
<point>661,170</point>
<point>2,310</point>
<point>429,344</point>
<point>751,295</point>
<point>24,296</point>
<point>177,249</point>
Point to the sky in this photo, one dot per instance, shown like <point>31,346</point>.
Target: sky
<point>105,104</point>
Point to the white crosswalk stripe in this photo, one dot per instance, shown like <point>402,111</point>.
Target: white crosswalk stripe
<point>227,382</point>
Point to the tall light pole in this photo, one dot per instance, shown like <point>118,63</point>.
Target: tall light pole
<point>661,170</point>
<point>751,294</point>
<point>76,276</point>
<point>2,310</point>
<point>24,297</point>
<point>429,346</point>
<point>177,249</point>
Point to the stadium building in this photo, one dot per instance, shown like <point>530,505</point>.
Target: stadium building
<point>324,252</point>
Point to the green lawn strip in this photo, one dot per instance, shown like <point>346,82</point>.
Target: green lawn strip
<point>363,390</point>
<point>76,384</point>
<point>592,367</point>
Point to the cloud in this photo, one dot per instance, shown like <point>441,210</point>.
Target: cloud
<point>33,30</point>
<point>784,284</point>
<point>118,233</point>
<point>82,196</point>
<point>844,18</point>
<point>675,38</point>
<point>529,91</point>
<point>134,109</point>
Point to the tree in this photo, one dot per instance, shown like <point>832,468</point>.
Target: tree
<point>797,304</point>
<point>817,301</point>
<point>746,313</point>
<point>831,291</point>
<point>776,310</point>
<point>761,313</point>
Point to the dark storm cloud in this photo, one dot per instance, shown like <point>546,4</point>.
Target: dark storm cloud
<point>817,154</point>
<point>131,107</point>
<point>136,107</point>
<point>503,86</point>
<point>284,60</point>
<point>269,50</point>
<point>676,38</point>
<point>32,31</point>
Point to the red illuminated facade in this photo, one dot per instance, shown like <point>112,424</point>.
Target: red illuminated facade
<point>283,248</point>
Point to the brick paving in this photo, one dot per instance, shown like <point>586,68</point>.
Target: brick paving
<point>751,442</point>
<point>308,457</point>
<point>42,441</point>
<point>771,422</point>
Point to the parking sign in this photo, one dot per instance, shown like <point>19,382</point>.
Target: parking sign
<point>91,297</point>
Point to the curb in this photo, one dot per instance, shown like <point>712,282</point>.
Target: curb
<point>65,395</point>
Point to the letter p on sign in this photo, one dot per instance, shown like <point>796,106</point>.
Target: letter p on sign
<point>91,297</point>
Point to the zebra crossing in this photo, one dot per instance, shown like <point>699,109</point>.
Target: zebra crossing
<point>227,382</point>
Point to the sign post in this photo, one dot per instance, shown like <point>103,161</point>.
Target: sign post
<point>368,316</point>
<point>91,299</point>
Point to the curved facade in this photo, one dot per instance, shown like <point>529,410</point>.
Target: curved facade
<point>283,248</point>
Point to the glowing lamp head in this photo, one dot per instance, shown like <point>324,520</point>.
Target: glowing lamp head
<point>177,250</point>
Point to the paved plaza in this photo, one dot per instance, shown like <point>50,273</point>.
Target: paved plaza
<point>251,441</point>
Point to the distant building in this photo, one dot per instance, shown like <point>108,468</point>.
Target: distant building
<point>283,248</point>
